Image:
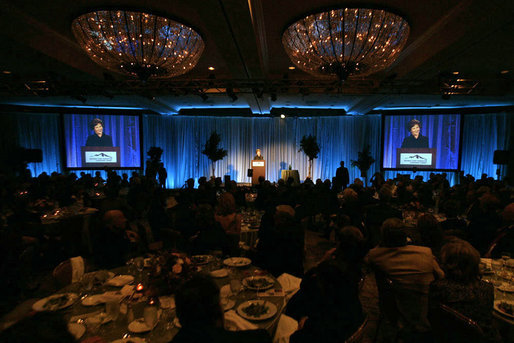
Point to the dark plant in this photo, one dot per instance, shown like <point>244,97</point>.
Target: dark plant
<point>310,147</point>
<point>364,162</point>
<point>212,151</point>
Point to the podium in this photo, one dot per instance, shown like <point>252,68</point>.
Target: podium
<point>100,156</point>
<point>259,169</point>
<point>420,158</point>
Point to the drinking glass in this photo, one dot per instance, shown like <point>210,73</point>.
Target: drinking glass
<point>93,324</point>
<point>112,308</point>
<point>235,287</point>
<point>505,258</point>
<point>150,316</point>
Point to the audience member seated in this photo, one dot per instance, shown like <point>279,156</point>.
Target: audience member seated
<point>410,269</point>
<point>113,243</point>
<point>327,306</point>
<point>43,327</point>
<point>484,222</point>
<point>430,233</point>
<point>349,254</point>
<point>201,316</point>
<point>227,217</point>
<point>462,289</point>
<point>210,235</point>
<point>504,241</point>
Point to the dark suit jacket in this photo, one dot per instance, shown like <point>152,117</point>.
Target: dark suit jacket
<point>220,335</point>
<point>342,176</point>
<point>94,140</point>
<point>411,142</point>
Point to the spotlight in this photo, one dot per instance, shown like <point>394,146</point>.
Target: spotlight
<point>282,116</point>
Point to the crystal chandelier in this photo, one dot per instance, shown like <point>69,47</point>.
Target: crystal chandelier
<point>138,44</point>
<point>346,42</point>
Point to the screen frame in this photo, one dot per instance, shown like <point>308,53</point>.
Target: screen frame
<point>384,114</point>
<point>134,113</point>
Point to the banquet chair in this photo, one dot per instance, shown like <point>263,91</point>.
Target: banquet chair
<point>449,325</point>
<point>69,271</point>
<point>404,308</point>
<point>357,336</point>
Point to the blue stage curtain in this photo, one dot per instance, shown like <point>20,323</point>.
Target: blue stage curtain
<point>183,138</point>
<point>41,131</point>
<point>340,139</point>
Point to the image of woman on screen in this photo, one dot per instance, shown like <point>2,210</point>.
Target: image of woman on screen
<point>415,140</point>
<point>98,138</point>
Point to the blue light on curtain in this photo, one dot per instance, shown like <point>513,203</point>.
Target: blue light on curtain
<point>41,131</point>
<point>182,139</point>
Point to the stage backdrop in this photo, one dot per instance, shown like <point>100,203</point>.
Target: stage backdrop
<point>340,138</point>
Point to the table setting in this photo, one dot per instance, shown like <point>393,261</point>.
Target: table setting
<point>500,272</point>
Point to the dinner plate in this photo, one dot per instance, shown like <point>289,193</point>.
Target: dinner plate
<point>77,330</point>
<point>269,310</point>
<point>130,340</point>
<point>498,309</point>
<point>120,280</point>
<point>258,283</point>
<point>98,299</point>
<point>506,288</point>
<point>237,261</point>
<point>55,302</point>
<point>201,259</point>
<point>220,273</point>
<point>138,326</point>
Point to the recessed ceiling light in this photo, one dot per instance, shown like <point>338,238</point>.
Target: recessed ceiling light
<point>504,71</point>
<point>455,73</point>
<point>282,116</point>
<point>292,68</point>
<point>6,72</point>
<point>211,68</point>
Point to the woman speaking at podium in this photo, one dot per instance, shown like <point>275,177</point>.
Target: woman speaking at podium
<point>415,140</point>
<point>98,138</point>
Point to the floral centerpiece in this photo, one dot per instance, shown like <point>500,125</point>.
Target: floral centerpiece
<point>167,271</point>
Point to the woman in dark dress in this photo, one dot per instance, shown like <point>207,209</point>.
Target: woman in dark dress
<point>98,138</point>
<point>462,289</point>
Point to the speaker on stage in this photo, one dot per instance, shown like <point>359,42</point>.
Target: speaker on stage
<point>227,179</point>
<point>250,173</point>
<point>501,157</point>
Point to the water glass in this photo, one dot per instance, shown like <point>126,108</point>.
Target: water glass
<point>235,286</point>
<point>112,308</point>
<point>150,316</point>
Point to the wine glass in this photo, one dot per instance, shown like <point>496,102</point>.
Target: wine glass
<point>505,258</point>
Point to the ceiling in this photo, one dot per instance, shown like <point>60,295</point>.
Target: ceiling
<point>41,63</point>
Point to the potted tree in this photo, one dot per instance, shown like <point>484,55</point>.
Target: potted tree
<point>212,151</point>
<point>364,162</point>
<point>310,147</point>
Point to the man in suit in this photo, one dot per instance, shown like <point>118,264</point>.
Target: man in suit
<point>342,177</point>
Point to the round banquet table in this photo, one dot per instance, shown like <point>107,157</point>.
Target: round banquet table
<point>114,330</point>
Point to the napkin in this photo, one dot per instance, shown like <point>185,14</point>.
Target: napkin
<point>290,284</point>
<point>77,268</point>
<point>234,320</point>
<point>285,328</point>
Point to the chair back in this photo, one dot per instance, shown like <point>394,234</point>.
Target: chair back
<point>357,336</point>
<point>449,325</point>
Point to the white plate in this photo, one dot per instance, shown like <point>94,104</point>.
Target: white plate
<point>506,288</point>
<point>120,280</point>
<point>98,299</point>
<point>497,308</point>
<point>270,311</point>
<point>220,273</point>
<point>248,282</point>
<point>201,259</point>
<point>237,261</point>
<point>130,340</point>
<point>41,305</point>
<point>77,330</point>
<point>138,326</point>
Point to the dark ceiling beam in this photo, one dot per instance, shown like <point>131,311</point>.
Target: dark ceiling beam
<point>24,28</point>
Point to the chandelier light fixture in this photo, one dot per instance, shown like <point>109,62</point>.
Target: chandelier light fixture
<point>138,44</point>
<point>346,42</point>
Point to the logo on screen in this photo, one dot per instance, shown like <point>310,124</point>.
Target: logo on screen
<point>101,157</point>
<point>416,159</point>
